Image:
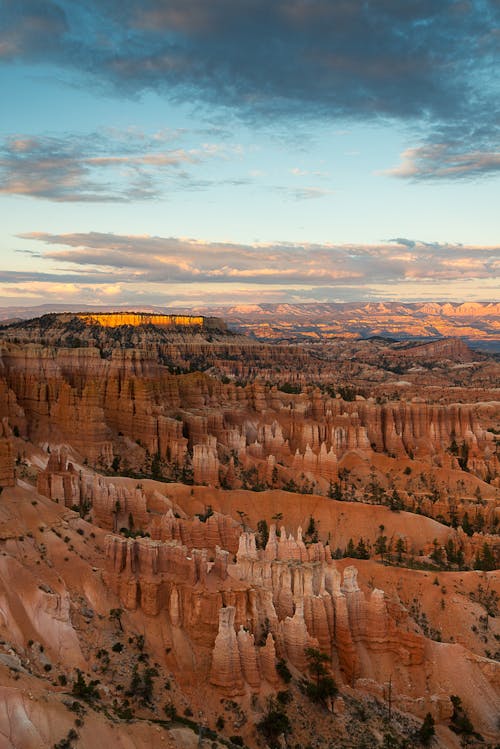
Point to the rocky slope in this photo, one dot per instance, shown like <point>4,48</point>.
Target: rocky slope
<point>183,539</point>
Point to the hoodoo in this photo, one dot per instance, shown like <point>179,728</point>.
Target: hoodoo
<point>247,547</point>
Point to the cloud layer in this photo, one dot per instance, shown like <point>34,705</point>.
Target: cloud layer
<point>441,161</point>
<point>98,258</point>
<point>429,64</point>
<point>114,166</point>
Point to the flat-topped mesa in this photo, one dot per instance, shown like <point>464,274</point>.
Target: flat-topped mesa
<point>116,319</point>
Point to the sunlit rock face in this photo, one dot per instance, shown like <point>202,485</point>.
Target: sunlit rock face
<point>115,320</point>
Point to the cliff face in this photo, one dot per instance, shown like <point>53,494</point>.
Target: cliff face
<point>129,414</point>
<point>120,504</point>
<point>118,319</point>
<point>275,603</point>
<point>96,405</point>
<point>7,477</point>
<point>169,472</point>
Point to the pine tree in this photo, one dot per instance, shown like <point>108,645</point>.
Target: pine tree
<point>323,686</point>
<point>361,550</point>
<point>466,525</point>
<point>381,546</point>
<point>350,550</point>
<point>400,549</point>
<point>427,731</point>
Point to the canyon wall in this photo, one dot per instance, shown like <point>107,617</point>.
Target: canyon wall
<point>130,407</point>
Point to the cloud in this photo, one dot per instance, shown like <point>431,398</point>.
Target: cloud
<point>100,258</point>
<point>308,193</point>
<point>445,161</point>
<point>28,27</point>
<point>115,166</point>
<point>418,61</point>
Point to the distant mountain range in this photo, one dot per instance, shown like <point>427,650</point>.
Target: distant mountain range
<point>478,323</point>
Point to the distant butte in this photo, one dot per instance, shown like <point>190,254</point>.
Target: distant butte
<point>116,319</point>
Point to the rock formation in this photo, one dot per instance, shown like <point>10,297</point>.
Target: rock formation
<point>170,469</point>
<point>6,455</point>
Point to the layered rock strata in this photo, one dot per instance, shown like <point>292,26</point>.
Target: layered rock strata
<point>7,476</point>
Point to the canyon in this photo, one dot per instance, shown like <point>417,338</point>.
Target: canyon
<point>185,505</point>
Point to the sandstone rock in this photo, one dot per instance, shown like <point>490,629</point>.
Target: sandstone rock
<point>225,671</point>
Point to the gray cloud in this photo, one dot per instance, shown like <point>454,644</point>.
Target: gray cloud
<point>117,166</point>
<point>26,277</point>
<point>169,260</point>
<point>28,27</point>
<point>430,64</point>
<point>444,161</point>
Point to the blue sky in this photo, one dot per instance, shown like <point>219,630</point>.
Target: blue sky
<point>182,152</point>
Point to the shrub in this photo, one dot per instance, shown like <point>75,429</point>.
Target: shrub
<point>273,724</point>
<point>170,711</point>
<point>460,721</point>
<point>284,697</point>
<point>83,690</point>
<point>283,671</point>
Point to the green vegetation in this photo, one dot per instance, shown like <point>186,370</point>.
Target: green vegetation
<point>485,559</point>
<point>426,731</point>
<point>311,534</point>
<point>322,687</point>
<point>283,671</point>
<point>460,721</point>
<point>87,692</point>
<point>67,742</point>
<point>115,615</point>
<point>274,723</point>
<point>262,535</point>
<point>141,684</point>
<point>288,387</point>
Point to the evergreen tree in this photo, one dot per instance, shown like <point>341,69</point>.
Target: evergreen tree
<point>466,525</point>
<point>262,535</point>
<point>395,502</point>
<point>323,686</point>
<point>311,534</point>
<point>427,731</point>
<point>156,471</point>
<point>437,554</point>
<point>400,549</point>
<point>486,560</point>
<point>350,550</point>
<point>381,546</point>
<point>361,551</point>
<point>335,491</point>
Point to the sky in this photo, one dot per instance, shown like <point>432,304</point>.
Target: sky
<point>194,152</point>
